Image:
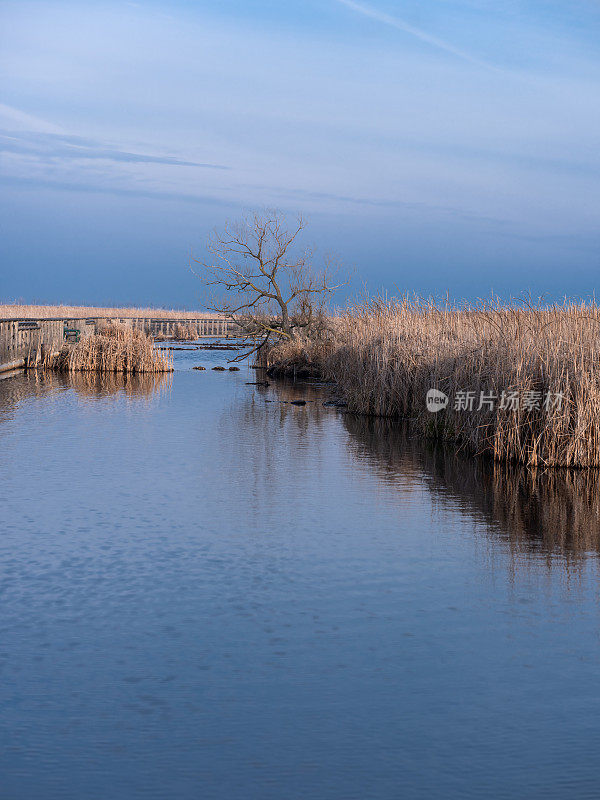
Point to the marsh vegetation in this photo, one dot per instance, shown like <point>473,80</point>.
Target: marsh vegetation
<point>385,355</point>
<point>27,311</point>
<point>113,349</point>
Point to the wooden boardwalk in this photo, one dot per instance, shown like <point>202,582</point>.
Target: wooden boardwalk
<point>27,340</point>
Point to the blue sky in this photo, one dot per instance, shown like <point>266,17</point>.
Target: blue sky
<point>439,146</point>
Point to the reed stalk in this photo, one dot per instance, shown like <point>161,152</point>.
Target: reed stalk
<point>386,354</point>
<point>22,310</point>
<point>116,350</point>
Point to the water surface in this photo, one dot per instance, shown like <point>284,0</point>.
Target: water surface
<point>207,592</point>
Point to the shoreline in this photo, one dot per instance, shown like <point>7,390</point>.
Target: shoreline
<point>518,383</point>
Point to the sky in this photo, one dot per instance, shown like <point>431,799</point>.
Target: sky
<point>446,146</point>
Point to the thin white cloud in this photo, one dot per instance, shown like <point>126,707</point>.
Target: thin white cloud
<point>17,118</point>
<point>65,147</point>
<point>417,33</point>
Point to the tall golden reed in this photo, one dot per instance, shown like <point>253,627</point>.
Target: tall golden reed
<point>22,310</point>
<point>113,350</point>
<point>386,354</point>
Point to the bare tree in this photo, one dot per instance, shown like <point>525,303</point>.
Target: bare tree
<point>263,281</point>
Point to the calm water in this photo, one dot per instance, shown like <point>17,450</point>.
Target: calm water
<point>208,595</point>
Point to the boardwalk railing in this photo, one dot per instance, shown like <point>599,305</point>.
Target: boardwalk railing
<point>25,341</point>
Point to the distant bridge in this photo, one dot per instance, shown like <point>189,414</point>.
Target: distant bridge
<point>28,340</point>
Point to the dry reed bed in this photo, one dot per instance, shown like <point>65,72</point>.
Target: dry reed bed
<point>18,310</point>
<point>385,356</point>
<point>182,332</point>
<point>113,350</point>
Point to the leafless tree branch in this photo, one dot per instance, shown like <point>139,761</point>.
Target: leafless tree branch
<point>263,281</point>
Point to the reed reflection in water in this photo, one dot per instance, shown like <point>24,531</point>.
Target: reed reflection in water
<point>22,386</point>
<point>211,592</point>
<point>552,511</point>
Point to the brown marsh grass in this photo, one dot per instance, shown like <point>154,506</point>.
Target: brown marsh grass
<point>186,332</point>
<point>385,355</point>
<point>182,332</point>
<point>114,349</point>
<point>18,310</point>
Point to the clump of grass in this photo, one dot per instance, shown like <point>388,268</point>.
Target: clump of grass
<point>386,354</point>
<point>298,358</point>
<point>186,332</point>
<point>113,349</point>
<point>182,332</point>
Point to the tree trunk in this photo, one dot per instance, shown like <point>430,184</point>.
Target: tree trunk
<point>285,320</point>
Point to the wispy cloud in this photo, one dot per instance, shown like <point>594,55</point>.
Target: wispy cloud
<point>290,197</point>
<point>116,191</point>
<point>23,121</point>
<point>417,33</point>
<point>62,146</point>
